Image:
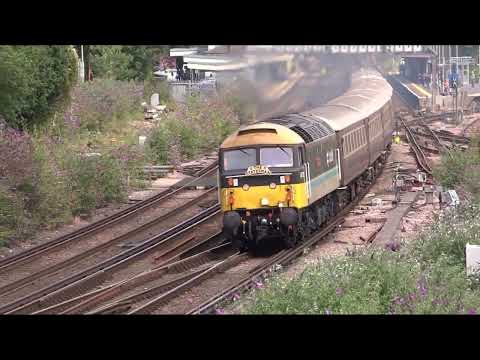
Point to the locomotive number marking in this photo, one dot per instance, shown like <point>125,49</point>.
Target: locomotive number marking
<point>258,170</point>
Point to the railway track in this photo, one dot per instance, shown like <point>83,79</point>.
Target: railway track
<point>159,243</point>
<point>165,246</point>
<point>89,256</point>
<point>419,154</point>
<point>251,268</point>
<point>282,258</point>
<point>142,286</point>
<point>443,136</point>
<point>128,213</point>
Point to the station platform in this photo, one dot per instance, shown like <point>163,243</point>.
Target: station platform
<point>415,95</point>
<point>418,89</point>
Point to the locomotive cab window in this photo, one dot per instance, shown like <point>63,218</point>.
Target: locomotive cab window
<point>239,159</point>
<point>301,156</point>
<point>276,156</point>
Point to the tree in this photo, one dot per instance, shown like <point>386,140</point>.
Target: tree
<point>122,62</point>
<point>33,79</point>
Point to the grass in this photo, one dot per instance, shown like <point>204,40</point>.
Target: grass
<point>461,170</point>
<point>426,276</point>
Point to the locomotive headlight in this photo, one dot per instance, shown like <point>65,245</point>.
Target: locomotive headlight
<point>232,182</point>
<point>264,201</point>
<point>245,187</point>
<point>273,185</point>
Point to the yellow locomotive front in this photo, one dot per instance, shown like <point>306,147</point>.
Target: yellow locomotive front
<point>262,184</point>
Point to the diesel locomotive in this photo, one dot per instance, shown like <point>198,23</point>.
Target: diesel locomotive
<point>285,177</point>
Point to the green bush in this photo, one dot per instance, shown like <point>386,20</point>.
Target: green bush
<point>50,193</point>
<point>158,144</point>
<point>33,80</point>
<point>7,217</point>
<point>197,127</point>
<point>449,235</point>
<point>160,87</point>
<point>105,104</point>
<point>123,62</point>
<point>94,181</point>
<point>461,169</point>
<point>110,62</point>
<point>451,170</point>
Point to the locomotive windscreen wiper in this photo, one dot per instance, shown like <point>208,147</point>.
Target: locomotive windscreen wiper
<point>279,147</point>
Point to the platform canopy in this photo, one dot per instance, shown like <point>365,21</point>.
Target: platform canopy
<point>183,51</point>
<point>214,62</point>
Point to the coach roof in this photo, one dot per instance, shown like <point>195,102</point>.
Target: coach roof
<point>368,93</point>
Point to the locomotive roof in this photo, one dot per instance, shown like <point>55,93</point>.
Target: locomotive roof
<point>309,129</point>
<point>262,133</point>
<point>368,92</point>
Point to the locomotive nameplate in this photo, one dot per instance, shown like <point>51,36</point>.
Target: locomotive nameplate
<point>258,170</point>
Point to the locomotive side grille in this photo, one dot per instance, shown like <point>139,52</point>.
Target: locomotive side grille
<point>309,128</point>
<point>305,136</point>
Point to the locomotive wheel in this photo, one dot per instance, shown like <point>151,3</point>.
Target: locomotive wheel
<point>240,244</point>
<point>290,238</point>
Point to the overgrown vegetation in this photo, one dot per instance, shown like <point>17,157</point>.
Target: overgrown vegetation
<point>77,162</point>
<point>426,277</point>
<point>66,150</point>
<point>88,156</point>
<point>196,127</point>
<point>460,169</point>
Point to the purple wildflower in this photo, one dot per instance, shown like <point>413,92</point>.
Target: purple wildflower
<point>258,284</point>
<point>236,296</point>
<point>422,287</point>
<point>393,246</point>
<point>472,311</point>
<point>328,312</point>
<point>219,311</point>
<point>397,300</point>
<point>339,291</point>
